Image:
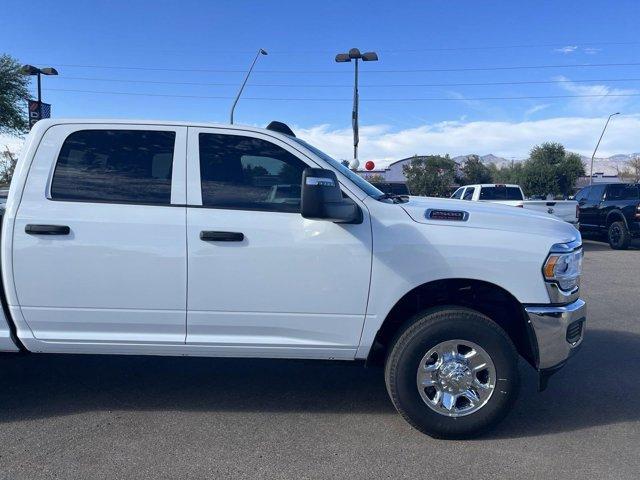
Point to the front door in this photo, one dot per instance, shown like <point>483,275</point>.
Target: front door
<point>262,279</point>
<point>99,248</point>
<point>590,213</point>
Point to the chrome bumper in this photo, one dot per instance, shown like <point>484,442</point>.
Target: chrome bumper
<point>550,325</point>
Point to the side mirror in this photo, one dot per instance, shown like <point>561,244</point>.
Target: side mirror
<point>322,198</point>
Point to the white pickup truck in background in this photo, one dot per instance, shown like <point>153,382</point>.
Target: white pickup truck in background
<point>512,195</point>
<point>172,238</point>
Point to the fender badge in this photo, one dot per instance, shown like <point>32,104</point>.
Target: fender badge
<point>450,215</point>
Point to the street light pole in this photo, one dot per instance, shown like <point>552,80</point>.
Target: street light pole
<point>354,118</point>
<point>354,54</point>
<point>38,72</point>
<point>598,144</point>
<point>233,107</point>
<point>39,95</point>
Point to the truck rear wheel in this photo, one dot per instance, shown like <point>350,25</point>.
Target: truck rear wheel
<point>618,236</point>
<point>452,373</point>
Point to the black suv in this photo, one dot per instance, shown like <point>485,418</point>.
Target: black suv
<point>611,208</point>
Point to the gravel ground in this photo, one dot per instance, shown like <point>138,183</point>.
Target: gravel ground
<point>85,417</point>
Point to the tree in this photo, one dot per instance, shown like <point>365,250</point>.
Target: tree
<point>550,170</point>
<point>506,173</point>
<point>375,178</point>
<point>473,171</point>
<point>431,175</point>
<point>8,161</point>
<point>14,92</point>
<point>633,165</point>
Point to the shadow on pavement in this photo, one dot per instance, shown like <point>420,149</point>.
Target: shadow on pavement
<point>597,244</point>
<point>599,386</point>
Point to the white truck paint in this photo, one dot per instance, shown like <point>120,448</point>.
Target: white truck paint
<point>512,195</point>
<point>126,277</point>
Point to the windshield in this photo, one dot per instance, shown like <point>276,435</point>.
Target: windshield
<point>354,177</point>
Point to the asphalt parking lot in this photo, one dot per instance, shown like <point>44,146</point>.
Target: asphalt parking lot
<point>147,417</point>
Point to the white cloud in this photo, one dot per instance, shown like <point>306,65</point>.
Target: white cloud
<point>598,99</point>
<point>507,139</point>
<point>566,50</point>
<point>536,108</point>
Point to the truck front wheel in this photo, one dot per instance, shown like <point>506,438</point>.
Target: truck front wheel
<point>452,373</point>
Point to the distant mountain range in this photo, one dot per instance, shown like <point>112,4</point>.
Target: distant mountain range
<point>607,165</point>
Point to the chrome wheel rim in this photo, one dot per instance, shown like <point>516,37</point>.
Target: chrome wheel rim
<point>456,378</point>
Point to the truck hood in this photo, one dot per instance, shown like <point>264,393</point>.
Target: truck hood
<point>491,216</point>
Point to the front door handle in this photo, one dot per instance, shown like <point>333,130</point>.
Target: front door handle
<point>211,236</point>
<point>32,229</point>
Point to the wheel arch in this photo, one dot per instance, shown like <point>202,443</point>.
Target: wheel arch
<point>487,298</point>
<point>614,216</point>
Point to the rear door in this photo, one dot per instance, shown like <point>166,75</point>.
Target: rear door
<point>262,279</point>
<point>99,238</point>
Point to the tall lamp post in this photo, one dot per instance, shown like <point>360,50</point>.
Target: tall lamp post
<point>31,70</point>
<point>354,54</point>
<point>598,144</point>
<point>233,107</point>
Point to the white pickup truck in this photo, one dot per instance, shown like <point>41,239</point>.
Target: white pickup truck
<point>512,195</point>
<point>165,238</point>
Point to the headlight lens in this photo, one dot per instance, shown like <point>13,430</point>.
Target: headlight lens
<point>564,269</point>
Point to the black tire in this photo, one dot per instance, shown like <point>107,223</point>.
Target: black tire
<point>618,236</point>
<point>424,332</point>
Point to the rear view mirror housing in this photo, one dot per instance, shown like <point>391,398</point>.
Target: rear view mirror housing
<point>322,198</point>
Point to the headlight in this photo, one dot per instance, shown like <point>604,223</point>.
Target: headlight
<point>563,268</point>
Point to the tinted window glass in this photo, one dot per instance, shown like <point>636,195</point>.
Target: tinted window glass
<point>249,174</point>
<point>458,193</point>
<point>623,191</point>
<point>595,195</point>
<point>130,166</point>
<point>468,194</point>
<point>500,192</point>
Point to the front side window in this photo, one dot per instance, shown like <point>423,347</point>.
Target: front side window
<point>115,166</point>
<point>248,173</point>
<point>458,193</point>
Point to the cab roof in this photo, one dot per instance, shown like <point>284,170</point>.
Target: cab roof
<point>274,128</point>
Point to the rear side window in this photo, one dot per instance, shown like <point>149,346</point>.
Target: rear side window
<point>115,166</point>
<point>468,194</point>
<point>500,192</point>
<point>248,173</point>
<point>623,191</point>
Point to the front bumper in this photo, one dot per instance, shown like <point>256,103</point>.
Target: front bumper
<point>559,331</point>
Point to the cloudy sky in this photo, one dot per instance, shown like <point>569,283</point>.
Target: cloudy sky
<point>453,77</point>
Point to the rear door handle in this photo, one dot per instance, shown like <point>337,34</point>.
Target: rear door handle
<point>32,229</point>
<point>211,236</point>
